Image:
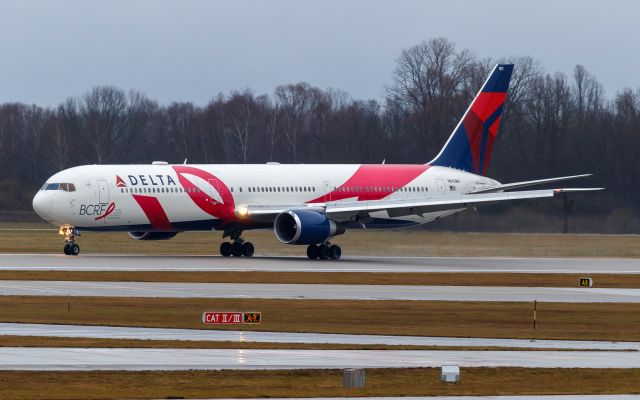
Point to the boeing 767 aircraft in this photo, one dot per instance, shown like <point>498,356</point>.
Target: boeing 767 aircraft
<point>303,204</point>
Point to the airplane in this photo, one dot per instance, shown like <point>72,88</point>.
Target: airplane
<point>303,204</point>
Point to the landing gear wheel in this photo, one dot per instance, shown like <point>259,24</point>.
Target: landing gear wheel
<point>226,249</point>
<point>313,252</point>
<point>74,249</point>
<point>335,252</point>
<point>236,249</point>
<point>70,246</point>
<point>247,249</point>
<point>324,252</point>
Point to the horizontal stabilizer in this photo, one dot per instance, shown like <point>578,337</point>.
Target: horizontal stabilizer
<point>516,185</point>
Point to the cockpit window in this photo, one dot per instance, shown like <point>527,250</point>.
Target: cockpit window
<point>67,187</point>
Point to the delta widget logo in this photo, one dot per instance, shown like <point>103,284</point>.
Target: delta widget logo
<point>120,183</point>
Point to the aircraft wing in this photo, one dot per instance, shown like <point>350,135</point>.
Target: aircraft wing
<point>348,211</point>
<point>516,185</point>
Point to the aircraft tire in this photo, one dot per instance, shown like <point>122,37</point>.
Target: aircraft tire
<point>74,249</point>
<point>225,249</point>
<point>324,252</point>
<point>247,249</point>
<point>313,252</point>
<point>335,252</point>
<point>66,249</point>
<point>236,249</point>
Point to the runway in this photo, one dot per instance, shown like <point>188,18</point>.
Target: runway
<point>109,332</point>
<point>317,291</point>
<point>97,262</point>
<point>136,359</point>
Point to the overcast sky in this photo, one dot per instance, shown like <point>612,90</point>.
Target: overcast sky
<point>188,50</point>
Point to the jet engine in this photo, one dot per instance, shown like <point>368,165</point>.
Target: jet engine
<point>305,227</point>
<point>152,235</point>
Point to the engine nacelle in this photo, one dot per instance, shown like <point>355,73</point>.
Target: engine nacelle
<point>152,235</point>
<point>305,227</point>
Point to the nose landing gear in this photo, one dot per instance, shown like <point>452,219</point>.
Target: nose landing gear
<point>324,251</point>
<point>238,248</point>
<point>71,248</point>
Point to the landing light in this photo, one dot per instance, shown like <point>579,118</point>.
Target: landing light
<point>242,211</point>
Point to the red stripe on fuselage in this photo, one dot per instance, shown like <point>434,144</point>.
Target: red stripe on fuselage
<point>382,180</point>
<point>208,204</point>
<point>154,212</point>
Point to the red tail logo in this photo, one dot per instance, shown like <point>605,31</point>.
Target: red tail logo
<point>119,182</point>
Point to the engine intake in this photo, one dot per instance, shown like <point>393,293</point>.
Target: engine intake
<point>305,227</point>
<point>152,235</point>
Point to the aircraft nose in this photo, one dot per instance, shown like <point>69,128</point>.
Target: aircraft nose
<point>42,204</point>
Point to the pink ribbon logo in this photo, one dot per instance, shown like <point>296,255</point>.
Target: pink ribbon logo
<point>110,208</point>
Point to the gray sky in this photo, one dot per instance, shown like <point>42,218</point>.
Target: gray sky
<point>189,50</point>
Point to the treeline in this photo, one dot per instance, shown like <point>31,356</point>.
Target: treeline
<point>554,124</point>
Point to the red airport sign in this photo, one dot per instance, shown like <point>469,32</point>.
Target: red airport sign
<point>222,318</point>
<point>231,317</point>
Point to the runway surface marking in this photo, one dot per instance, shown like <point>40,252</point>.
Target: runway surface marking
<point>108,332</point>
<point>105,262</point>
<point>317,291</point>
<point>24,358</point>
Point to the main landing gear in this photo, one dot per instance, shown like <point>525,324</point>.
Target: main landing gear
<point>71,248</point>
<point>238,248</point>
<point>324,251</point>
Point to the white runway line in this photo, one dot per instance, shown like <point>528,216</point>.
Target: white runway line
<point>67,359</point>
<point>318,291</point>
<point>104,262</point>
<point>109,332</point>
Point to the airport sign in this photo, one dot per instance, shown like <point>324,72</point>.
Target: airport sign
<point>231,317</point>
<point>222,318</point>
<point>252,317</point>
<point>586,282</point>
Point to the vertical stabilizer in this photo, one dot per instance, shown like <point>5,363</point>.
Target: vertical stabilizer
<point>469,146</point>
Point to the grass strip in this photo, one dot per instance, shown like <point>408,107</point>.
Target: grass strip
<point>578,321</point>
<point>317,383</point>
<point>354,242</point>
<point>630,281</point>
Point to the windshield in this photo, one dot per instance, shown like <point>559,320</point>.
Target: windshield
<point>67,187</point>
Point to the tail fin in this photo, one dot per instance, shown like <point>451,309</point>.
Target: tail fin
<point>469,146</point>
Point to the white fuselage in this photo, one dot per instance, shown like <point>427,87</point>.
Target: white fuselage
<point>203,197</point>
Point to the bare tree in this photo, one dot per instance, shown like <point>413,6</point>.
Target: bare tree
<point>240,118</point>
<point>297,103</point>
<point>103,115</point>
